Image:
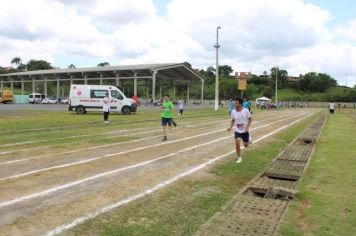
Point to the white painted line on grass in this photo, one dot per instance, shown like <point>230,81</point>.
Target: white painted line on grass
<point>81,149</point>
<point>71,184</point>
<point>106,145</point>
<point>104,156</point>
<point>23,150</point>
<point>120,153</point>
<point>123,152</point>
<point>39,141</point>
<point>77,150</point>
<point>77,221</point>
<point>61,138</point>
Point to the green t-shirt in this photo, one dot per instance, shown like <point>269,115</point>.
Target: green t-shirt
<point>167,112</point>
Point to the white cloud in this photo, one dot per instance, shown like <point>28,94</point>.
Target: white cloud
<point>347,32</point>
<point>256,35</point>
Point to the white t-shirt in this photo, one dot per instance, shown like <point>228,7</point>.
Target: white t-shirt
<point>106,106</point>
<point>331,106</point>
<point>241,119</point>
<point>181,105</point>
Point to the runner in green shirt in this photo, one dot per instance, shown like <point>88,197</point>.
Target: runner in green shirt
<point>167,115</point>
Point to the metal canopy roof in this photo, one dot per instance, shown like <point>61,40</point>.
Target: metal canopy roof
<point>167,71</point>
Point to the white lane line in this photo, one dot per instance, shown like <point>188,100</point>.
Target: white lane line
<point>104,156</point>
<point>61,138</point>
<point>71,184</point>
<point>87,148</point>
<point>120,153</point>
<point>123,152</point>
<point>23,150</point>
<point>40,141</point>
<point>112,144</point>
<point>91,215</point>
<point>77,150</point>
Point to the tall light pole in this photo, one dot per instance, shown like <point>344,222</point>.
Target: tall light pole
<point>276,86</point>
<point>217,46</point>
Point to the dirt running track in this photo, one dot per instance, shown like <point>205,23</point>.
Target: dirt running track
<point>40,193</point>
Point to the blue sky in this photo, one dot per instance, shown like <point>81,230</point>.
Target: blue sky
<point>161,6</point>
<point>342,11</point>
<point>296,35</point>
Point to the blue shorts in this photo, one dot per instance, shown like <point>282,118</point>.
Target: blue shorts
<point>244,136</point>
<point>166,121</point>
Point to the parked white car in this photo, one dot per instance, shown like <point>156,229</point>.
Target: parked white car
<point>65,100</point>
<point>85,98</point>
<point>52,101</point>
<point>36,98</point>
<point>45,101</point>
<point>49,100</point>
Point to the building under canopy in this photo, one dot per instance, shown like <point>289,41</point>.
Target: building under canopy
<point>149,72</point>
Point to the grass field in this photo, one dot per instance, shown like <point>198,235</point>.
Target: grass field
<point>182,208</point>
<point>326,202</point>
<point>30,119</point>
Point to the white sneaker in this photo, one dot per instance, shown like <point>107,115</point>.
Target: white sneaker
<point>239,159</point>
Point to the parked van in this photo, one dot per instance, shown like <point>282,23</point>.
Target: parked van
<point>83,98</point>
<point>6,96</point>
<point>36,98</point>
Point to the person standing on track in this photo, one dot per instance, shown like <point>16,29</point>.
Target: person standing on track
<point>181,107</point>
<point>331,107</point>
<point>241,119</point>
<point>106,108</point>
<point>166,115</point>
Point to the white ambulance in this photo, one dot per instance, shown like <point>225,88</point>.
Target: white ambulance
<point>83,98</point>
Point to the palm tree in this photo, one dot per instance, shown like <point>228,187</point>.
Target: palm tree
<point>16,60</point>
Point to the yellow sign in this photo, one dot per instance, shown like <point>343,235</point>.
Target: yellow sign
<point>242,84</point>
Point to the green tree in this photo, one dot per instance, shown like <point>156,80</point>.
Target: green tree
<point>103,64</point>
<point>268,92</point>
<point>327,79</point>
<point>38,65</point>
<point>209,75</point>
<point>21,67</point>
<point>257,80</point>
<point>211,71</point>
<point>282,77</point>
<point>225,71</point>
<point>314,82</point>
<point>17,61</point>
<point>305,82</point>
<point>227,88</point>
<point>71,66</point>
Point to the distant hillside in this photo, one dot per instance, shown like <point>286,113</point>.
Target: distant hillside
<point>336,94</point>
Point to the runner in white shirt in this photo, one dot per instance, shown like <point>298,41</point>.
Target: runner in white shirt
<point>240,119</point>
<point>181,107</point>
<point>331,107</point>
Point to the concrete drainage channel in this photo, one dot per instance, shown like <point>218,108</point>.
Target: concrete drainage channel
<point>258,209</point>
